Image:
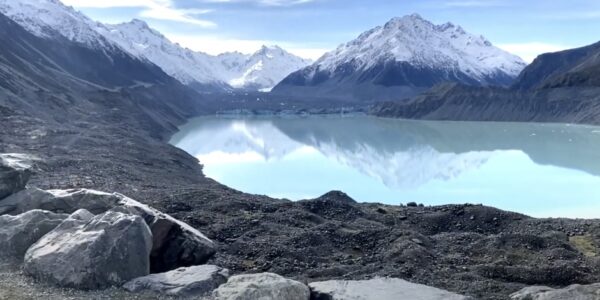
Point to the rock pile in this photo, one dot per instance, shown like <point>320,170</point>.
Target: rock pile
<point>88,239</point>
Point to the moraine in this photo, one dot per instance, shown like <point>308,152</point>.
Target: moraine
<point>543,170</point>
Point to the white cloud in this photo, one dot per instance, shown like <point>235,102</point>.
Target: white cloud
<point>216,45</point>
<point>153,9</point>
<point>529,51</point>
<point>475,3</point>
<point>263,2</point>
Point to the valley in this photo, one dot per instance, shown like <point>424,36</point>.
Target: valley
<point>100,107</point>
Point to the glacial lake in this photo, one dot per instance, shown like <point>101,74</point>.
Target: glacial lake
<point>542,170</point>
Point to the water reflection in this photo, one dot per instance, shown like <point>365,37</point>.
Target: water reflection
<point>394,161</point>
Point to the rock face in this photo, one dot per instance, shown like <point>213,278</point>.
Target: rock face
<point>378,289</point>
<point>14,173</point>
<point>574,292</point>
<point>261,286</point>
<point>573,67</point>
<point>88,252</point>
<point>175,243</point>
<point>18,233</point>
<point>184,282</point>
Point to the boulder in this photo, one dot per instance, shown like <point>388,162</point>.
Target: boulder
<point>378,289</point>
<point>573,292</point>
<point>15,170</point>
<point>193,281</point>
<point>18,233</point>
<point>29,199</point>
<point>175,243</point>
<point>92,252</point>
<point>261,286</point>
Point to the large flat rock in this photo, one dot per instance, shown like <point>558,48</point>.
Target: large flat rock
<point>92,252</point>
<point>15,170</point>
<point>18,233</point>
<point>573,292</point>
<point>378,289</point>
<point>193,281</point>
<point>175,243</point>
<point>261,286</point>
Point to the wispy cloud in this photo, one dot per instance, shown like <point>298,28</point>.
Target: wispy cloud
<point>263,2</point>
<point>529,51</point>
<point>153,9</point>
<point>575,15</point>
<point>475,3</point>
<point>216,45</point>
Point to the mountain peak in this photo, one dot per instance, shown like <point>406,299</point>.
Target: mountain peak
<point>392,54</point>
<point>138,23</point>
<point>413,19</point>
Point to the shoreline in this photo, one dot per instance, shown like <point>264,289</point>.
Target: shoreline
<point>464,249</point>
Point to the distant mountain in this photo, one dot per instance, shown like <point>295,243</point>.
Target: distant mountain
<point>261,70</point>
<point>402,58</point>
<point>265,68</point>
<point>575,67</point>
<point>206,73</point>
<point>62,81</point>
<point>556,87</point>
<point>190,68</point>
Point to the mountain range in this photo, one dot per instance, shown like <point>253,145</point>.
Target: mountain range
<point>404,57</point>
<point>430,71</point>
<point>557,87</point>
<point>261,70</point>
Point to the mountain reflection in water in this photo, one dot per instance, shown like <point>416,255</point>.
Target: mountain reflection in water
<point>538,169</point>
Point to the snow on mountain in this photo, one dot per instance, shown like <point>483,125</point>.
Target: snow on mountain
<point>417,41</point>
<point>185,65</point>
<point>403,58</point>
<point>267,67</point>
<point>261,70</point>
<point>48,18</point>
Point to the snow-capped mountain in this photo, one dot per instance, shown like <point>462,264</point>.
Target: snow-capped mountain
<point>48,18</point>
<point>261,70</point>
<point>258,71</point>
<point>187,66</point>
<point>408,54</point>
<point>267,67</point>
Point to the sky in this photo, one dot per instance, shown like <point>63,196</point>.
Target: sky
<point>309,28</point>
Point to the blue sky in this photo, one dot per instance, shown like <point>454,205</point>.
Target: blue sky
<point>311,27</point>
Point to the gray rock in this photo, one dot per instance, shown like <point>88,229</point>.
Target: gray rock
<point>573,292</point>
<point>15,170</point>
<point>29,199</point>
<point>175,243</point>
<point>18,233</point>
<point>184,282</point>
<point>261,286</point>
<point>378,289</point>
<point>92,252</point>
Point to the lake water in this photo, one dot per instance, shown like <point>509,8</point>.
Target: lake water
<point>543,170</point>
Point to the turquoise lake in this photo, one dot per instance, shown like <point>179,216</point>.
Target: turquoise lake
<point>542,170</point>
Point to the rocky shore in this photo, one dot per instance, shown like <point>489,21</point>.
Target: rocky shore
<point>328,248</point>
<point>90,240</point>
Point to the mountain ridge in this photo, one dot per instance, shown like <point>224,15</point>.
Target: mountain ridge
<point>406,55</point>
<point>204,72</point>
